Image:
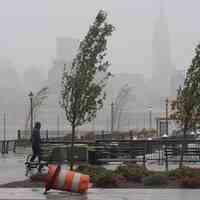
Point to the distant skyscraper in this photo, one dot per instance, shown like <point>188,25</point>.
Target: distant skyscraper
<point>162,66</point>
<point>176,81</point>
<point>66,49</point>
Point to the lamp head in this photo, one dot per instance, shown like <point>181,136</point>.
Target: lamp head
<point>31,95</point>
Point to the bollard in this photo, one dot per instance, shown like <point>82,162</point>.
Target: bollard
<point>18,134</point>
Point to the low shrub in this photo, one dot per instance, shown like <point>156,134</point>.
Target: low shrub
<point>182,172</point>
<point>91,170</point>
<point>119,181</point>
<point>196,171</point>
<point>132,172</point>
<point>155,180</point>
<point>189,182</point>
<point>104,179</point>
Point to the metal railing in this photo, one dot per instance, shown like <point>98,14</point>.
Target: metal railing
<point>7,145</point>
<point>163,151</point>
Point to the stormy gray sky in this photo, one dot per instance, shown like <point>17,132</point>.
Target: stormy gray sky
<point>29,29</point>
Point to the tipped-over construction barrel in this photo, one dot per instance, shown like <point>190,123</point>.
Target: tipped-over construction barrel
<point>66,180</point>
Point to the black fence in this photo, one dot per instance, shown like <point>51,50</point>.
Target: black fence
<point>163,151</point>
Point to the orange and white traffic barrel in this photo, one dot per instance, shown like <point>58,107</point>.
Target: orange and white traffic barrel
<point>66,180</point>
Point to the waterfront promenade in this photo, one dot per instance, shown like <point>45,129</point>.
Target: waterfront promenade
<point>100,194</point>
<point>12,169</point>
<point>12,165</point>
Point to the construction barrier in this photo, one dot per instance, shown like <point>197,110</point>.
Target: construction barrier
<point>66,180</point>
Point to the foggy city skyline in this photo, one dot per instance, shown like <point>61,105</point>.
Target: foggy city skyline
<point>46,40</point>
<point>28,34</point>
<point>99,99</point>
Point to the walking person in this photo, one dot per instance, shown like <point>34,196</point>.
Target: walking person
<point>35,139</point>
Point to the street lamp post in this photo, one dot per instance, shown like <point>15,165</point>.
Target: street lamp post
<point>144,122</point>
<point>4,126</point>
<point>150,117</point>
<point>167,103</point>
<point>31,109</point>
<point>112,119</point>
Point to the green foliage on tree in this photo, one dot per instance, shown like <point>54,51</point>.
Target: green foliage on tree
<point>188,98</point>
<point>83,85</point>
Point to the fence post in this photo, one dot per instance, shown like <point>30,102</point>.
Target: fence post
<point>131,135</point>
<point>144,154</point>
<point>102,134</point>
<point>3,147</point>
<point>7,146</point>
<point>14,146</point>
<point>18,134</point>
<point>47,135</point>
<point>160,153</point>
<point>166,158</point>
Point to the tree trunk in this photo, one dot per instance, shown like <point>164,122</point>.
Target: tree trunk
<point>183,146</point>
<point>72,148</point>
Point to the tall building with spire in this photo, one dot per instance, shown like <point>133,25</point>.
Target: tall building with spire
<point>162,65</point>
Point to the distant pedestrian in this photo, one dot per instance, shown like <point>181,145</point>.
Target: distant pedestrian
<point>35,139</point>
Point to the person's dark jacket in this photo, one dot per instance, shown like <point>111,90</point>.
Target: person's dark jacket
<point>36,139</point>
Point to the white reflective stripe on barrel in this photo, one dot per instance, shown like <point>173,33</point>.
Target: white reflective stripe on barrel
<point>61,179</point>
<point>76,181</point>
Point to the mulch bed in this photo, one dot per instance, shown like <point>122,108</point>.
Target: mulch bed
<point>23,184</point>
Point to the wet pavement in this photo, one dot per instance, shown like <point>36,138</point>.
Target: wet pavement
<point>100,194</point>
<point>12,169</point>
<point>12,166</point>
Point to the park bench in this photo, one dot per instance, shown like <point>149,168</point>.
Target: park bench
<point>49,154</point>
<point>126,153</point>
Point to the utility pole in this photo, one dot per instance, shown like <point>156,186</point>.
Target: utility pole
<point>166,107</point>
<point>31,109</point>
<point>112,118</point>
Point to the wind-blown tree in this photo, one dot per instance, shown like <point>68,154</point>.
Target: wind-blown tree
<point>188,99</point>
<point>83,85</point>
<point>120,102</point>
<point>38,101</point>
<point>184,115</point>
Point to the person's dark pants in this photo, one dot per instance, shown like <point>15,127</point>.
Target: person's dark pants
<point>36,153</point>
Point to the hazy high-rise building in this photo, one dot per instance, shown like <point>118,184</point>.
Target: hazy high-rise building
<point>66,49</point>
<point>11,92</point>
<point>177,80</point>
<point>162,65</point>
